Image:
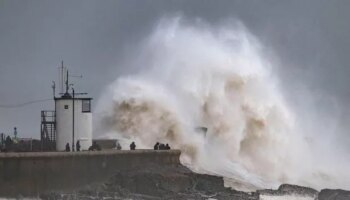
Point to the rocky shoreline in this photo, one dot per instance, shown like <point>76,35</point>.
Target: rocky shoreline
<point>178,182</point>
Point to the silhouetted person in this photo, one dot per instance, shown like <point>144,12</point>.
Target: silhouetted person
<point>67,147</point>
<point>78,145</point>
<point>167,147</point>
<point>156,146</point>
<point>132,146</point>
<point>119,147</point>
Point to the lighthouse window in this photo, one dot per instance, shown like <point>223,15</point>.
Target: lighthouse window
<point>86,105</point>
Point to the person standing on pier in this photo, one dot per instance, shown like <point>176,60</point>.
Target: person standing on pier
<point>67,147</point>
<point>132,146</point>
<point>78,145</point>
<point>156,146</point>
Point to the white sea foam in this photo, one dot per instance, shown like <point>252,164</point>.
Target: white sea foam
<point>191,75</point>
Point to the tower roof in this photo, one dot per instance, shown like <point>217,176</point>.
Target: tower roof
<point>70,97</point>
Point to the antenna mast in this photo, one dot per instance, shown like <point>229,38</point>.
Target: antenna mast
<point>62,77</point>
<point>67,83</point>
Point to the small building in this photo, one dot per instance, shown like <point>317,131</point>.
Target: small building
<point>73,122</point>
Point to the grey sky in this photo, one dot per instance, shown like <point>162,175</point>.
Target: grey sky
<point>311,40</point>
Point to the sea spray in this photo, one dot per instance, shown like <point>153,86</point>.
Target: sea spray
<point>194,75</point>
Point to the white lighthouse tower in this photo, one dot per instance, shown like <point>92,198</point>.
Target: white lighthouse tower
<point>73,120</point>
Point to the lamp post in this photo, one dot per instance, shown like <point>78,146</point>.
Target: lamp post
<point>73,121</point>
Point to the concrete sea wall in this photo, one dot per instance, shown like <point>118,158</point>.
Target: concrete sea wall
<point>29,174</point>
